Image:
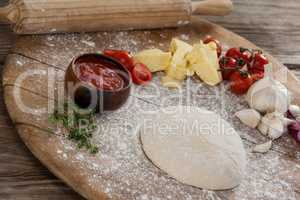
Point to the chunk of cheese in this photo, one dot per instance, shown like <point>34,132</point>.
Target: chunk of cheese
<point>178,66</point>
<point>212,46</point>
<point>190,71</point>
<point>180,47</point>
<point>154,59</point>
<point>204,60</point>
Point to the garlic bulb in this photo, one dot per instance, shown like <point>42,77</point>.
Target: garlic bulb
<point>268,95</point>
<point>273,125</point>
<point>249,117</point>
<point>263,148</point>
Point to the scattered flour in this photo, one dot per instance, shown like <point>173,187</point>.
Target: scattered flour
<point>121,168</point>
<point>19,63</point>
<point>89,43</point>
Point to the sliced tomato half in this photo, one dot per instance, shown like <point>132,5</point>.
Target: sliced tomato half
<point>122,56</point>
<point>141,75</point>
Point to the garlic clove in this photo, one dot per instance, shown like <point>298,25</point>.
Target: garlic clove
<point>276,130</point>
<point>280,118</point>
<point>294,110</point>
<point>263,148</point>
<point>275,115</point>
<point>263,128</point>
<point>272,125</point>
<point>249,117</point>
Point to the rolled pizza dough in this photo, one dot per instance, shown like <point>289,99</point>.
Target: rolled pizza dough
<point>195,146</point>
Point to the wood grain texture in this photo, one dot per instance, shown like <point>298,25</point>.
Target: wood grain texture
<point>6,37</point>
<point>6,41</point>
<point>272,24</point>
<point>31,52</point>
<point>23,177</point>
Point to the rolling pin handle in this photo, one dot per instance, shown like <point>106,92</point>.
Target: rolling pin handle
<point>212,7</point>
<point>8,14</point>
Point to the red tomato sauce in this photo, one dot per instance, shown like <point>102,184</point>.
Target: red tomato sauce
<point>99,74</point>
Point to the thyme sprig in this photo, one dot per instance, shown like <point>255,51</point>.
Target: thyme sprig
<point>79,123</point>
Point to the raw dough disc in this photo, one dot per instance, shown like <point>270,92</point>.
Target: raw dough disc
<point>195,146</point>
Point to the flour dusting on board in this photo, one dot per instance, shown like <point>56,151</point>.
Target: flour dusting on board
<point>122,170</point>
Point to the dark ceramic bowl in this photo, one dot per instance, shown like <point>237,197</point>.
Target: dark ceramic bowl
<point>85,95</point>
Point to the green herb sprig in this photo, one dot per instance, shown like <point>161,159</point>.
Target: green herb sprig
<point>79,123</point>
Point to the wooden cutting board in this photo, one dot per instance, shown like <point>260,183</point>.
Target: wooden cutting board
<point>121,170</point>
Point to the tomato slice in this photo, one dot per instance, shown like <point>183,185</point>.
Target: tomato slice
<point>141,75</point>
<point>122,56</point>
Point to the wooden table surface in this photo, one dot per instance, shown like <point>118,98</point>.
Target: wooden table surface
<point>271,24</point>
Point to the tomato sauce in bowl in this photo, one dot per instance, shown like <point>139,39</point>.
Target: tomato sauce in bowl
<point>96,78</point>
<point>100,74</point>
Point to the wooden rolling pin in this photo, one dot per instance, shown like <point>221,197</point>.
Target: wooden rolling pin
<point>45,16</point>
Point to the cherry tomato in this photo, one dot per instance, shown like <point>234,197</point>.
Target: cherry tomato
<point>259,62</point>
<point>246,55</point>
<point>228,66</point>
<point>240,82</point>
<point>209,39</point>
<point>123,57</point>
<point>234,53</point>
<point>141,74</point>
<point>260,58</point>
<point>257,76</point>
<point>256,68</point>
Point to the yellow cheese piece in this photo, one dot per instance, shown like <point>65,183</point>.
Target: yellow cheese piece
<point>190,71</point>
<point>179,45</point>
<point>212,46</point>
<point>154,59</point>
<point>178,66</point>
<point>204,60</point>
<point>177,72</point>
